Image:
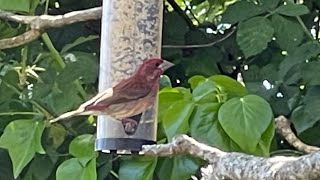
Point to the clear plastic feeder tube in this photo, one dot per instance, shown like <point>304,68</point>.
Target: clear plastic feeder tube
<point>131,32</point>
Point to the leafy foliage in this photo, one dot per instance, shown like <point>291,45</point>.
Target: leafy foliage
<point>268,42</point>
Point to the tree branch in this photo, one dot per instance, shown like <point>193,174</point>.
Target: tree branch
<point>24,38</point>
<point>283,128</point>
<point>238,165</point>
<point>47,21</point>
<point>39,23</point>
<point>235,165</point>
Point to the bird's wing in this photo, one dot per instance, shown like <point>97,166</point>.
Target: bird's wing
<point>125,91</point>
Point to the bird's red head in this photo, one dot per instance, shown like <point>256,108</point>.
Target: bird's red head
<point>153,67</point>
<point>152,64</point>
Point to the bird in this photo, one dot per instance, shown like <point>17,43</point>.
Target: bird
<point>129,98</point>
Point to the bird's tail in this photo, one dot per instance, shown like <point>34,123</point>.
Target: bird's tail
<point>82,110</point>
<point>70,114</point>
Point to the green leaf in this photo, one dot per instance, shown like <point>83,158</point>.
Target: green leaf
<point>263,148</point>
<point>174,28</point>
<point>41,90</point>
<point>203,61</point>
<point>306,116</point>
<point>73,169</point>
<point>300,120</point>
<point>195,80</point>
<point>6,30</point>
<point>165,82</point>
<point>168,97</point>
<point>239,11</point>
<point>229,85</point>
<point>178,167</point>
<point>269,4</point>
<point>311,136</point>
<point>309,73</point>
<point>206,91</point>
<point>58,134</point>
<point>137,167</point>
<point>298,55</point>
<point>9,80</point>
<point>205,127</point>
<point>83,146</point>
<point>196,36</point>
<point>82,66</point>
<point>176,118</point>
<point>196,2</point>
<point>77,42</point>
<point>291,9</point>
<point>65,100</point>
<point>288,31</point>
<point>104,165</point>
<point>41,167</point>
<point>6,166</point>
<point>15,5</point>
<point>33,5</point>
<point>254,35</point>
<point>22,138</point>
<point>245,120</point>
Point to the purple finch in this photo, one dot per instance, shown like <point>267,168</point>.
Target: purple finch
<point>132,96</point>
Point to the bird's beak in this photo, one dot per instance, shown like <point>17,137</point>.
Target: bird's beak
<point>166,65</point>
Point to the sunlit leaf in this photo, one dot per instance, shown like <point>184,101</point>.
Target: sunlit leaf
<point>22,139</point>
<point>72,169</point>
<point>245,120</point>
<point>176,118</point>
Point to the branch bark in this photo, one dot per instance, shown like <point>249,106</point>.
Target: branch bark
<point>48,21</point>
<point>233,165</point>
<point>283,128</point>
<point>24,38</point>
<point>39,23</point>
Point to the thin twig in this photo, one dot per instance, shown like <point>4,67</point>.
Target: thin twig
<point>283,128</point>
<point>16,41</point>
<point>183,14</point>
<point>192,14</point>
<point>199,45</point>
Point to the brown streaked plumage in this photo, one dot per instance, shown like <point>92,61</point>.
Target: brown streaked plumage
<point>130,97</point>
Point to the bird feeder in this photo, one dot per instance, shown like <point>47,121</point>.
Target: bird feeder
<point>131,32</point>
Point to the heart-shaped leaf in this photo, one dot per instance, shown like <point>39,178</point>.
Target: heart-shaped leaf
<point>245,120</point>
<point>73,169</point>
<point>22,138</point>
<point>176,118</point>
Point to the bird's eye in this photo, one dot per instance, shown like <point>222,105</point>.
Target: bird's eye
<point>157,64</point>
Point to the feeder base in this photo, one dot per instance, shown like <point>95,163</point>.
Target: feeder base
<point>116,144</point>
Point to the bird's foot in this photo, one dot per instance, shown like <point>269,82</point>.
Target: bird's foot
<point>129,125</point>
